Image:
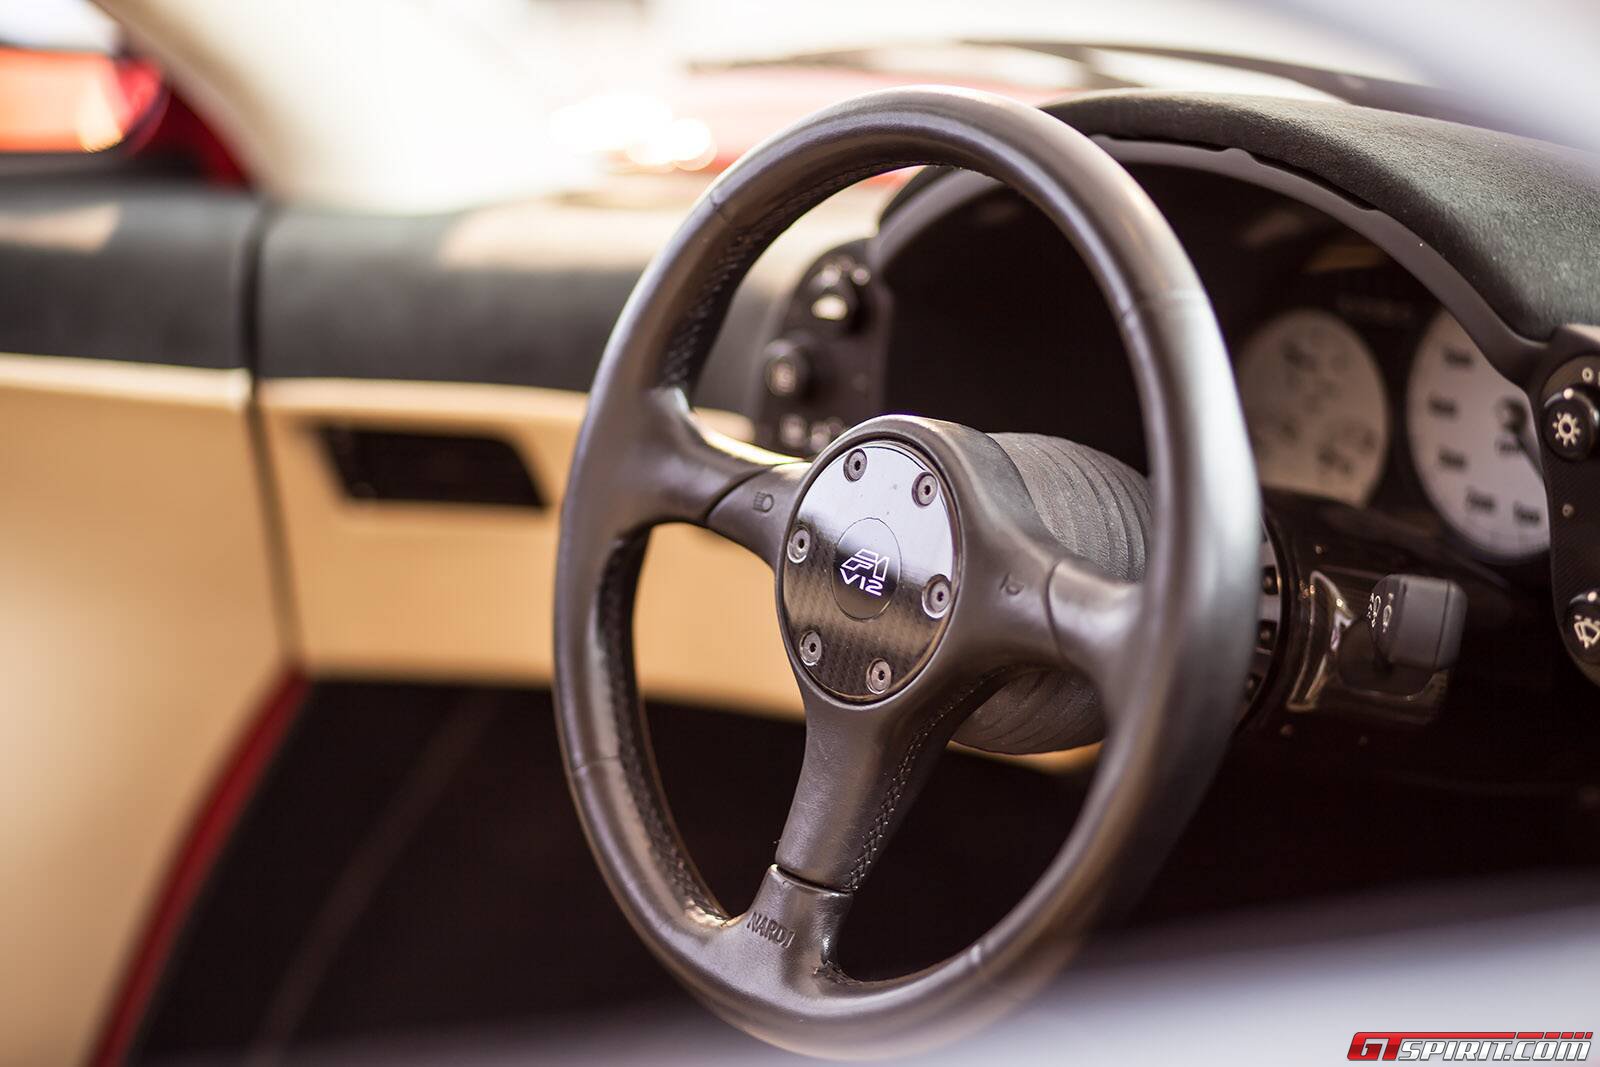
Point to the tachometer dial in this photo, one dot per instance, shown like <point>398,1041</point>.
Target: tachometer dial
<point>1315,405</point>
<point>1475,446</point>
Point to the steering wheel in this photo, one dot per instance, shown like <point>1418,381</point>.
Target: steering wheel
<point>914,576</point>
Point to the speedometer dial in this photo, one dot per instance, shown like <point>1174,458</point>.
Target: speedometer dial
<point>1315,405</point>
<point>1474,444</point>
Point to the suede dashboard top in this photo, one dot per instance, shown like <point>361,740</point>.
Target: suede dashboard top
<point>1518,218</point>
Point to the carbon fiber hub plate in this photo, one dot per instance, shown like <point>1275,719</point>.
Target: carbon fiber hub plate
<point>872,548</point>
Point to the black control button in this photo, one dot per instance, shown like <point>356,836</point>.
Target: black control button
<point>822,433</point>
<point>1571,421</point>
<point>1582,626</point>
<point>833,298</point>
<point>792,431</point>
<point>1417,621</point>
<point>788,369</point>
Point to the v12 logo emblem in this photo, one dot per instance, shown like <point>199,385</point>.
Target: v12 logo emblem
<point>866,570</point>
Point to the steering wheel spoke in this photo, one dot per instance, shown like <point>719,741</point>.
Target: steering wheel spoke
<point>755,512</point>
<point>863,770</point>
<point>1029,602</point>
<point>792,926</point>
<point>1093,619</point>
<point>676,468</point>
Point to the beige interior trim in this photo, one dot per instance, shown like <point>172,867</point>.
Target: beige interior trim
<point>451,593</point>
<point>462,592</point>
<point>180,387</point>
<point>136,633</point>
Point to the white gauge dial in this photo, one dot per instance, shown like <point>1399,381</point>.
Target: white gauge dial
<point>1316,407</point>
<point>1475,446</point>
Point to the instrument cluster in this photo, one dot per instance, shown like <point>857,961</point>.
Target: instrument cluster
<point>1357,386</point>
<point>1382,400</point>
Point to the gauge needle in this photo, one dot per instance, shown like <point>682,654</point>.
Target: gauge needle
<point>1514,421</point>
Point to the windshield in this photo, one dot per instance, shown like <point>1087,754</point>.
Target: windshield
<point>453,102</point>
<point>656,85</point>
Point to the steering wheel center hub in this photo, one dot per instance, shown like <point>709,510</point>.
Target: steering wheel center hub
<point>867,586</point>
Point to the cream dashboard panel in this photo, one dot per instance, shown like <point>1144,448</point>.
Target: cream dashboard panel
<point>451,591</point>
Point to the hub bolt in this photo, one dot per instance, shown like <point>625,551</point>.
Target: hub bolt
<point>936,596</point>
<point>879,675</point>
<point>925,490</point>
<point>799,545</point>
<point>855,465</point>
<point>811,648</point>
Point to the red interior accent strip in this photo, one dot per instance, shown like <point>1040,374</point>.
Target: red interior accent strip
<point>210,830</point>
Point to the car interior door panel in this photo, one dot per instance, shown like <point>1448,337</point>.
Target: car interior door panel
<point>140,630</point>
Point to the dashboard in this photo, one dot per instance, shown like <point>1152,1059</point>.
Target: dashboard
<point>1403,427</point>
<point>1356,384</point>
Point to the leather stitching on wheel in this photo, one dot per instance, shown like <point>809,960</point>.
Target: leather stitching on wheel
<point>618,584</point>
<point>881,823</point>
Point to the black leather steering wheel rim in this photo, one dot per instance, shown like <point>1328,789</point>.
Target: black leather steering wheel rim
<point>1168,654</point>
